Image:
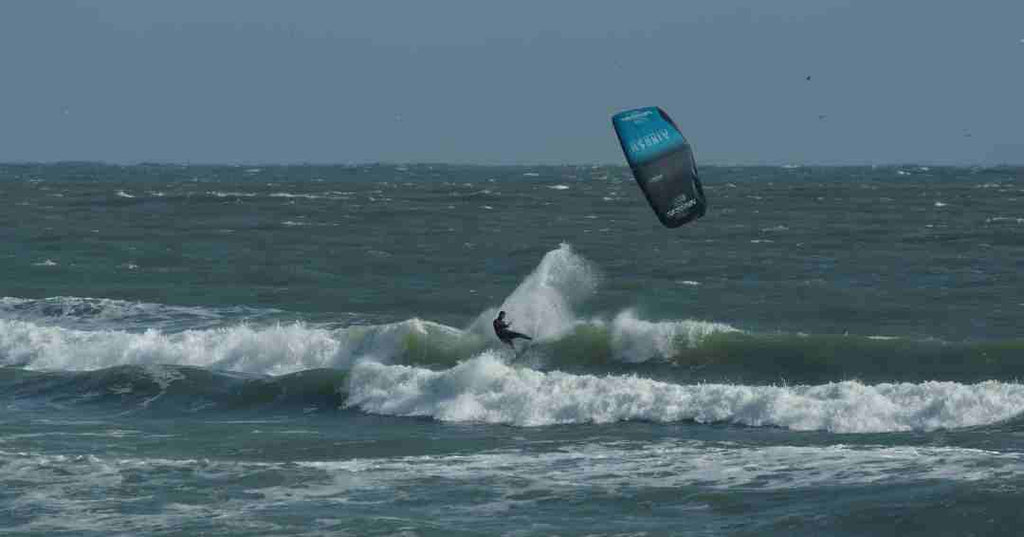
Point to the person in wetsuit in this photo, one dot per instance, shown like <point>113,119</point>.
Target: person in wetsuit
<point>504,334</point>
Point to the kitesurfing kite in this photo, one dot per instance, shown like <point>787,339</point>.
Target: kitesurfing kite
<point>662,163</point>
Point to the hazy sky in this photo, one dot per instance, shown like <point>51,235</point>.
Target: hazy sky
<point>525,81</point>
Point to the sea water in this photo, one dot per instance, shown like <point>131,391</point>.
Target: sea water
<point>307,350</point>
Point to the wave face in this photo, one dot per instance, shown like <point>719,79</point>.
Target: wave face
<point>578,369</point>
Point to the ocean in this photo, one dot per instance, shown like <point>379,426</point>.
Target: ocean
<point>307,350</point>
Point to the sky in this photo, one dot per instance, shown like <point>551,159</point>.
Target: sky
<point>510,82</point>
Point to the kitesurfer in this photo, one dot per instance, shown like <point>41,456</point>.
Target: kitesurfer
<point>504,334</point>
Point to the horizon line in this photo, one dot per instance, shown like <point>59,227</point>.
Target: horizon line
<point>712,164</point>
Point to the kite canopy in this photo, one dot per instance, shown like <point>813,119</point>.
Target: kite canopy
<point>662,164</point>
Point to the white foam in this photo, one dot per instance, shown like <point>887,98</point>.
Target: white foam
<point>85,311</point>
<point>83,493</point>
<point>220,194</point>
<point>559,187</point>
<point>1010,219</point>
<point>84,334</point>
<point>292,223</point>
<point>78,494</point>
<point>542,305</point>
<point>484,389</point>
<point>626,467</point>
<point>289,195</point>
<point>328,195</point>
<point>637,340</point>
<point>271,350</point>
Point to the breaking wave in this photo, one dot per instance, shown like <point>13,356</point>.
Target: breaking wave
<point>579,369</point>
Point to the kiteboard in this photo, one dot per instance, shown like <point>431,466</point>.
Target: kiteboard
<point>662,163</point>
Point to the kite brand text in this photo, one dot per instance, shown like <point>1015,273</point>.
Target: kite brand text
<point>649,141</point>
<point>682,206</point>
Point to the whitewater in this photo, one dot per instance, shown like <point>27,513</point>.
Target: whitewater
<point>482,385</point>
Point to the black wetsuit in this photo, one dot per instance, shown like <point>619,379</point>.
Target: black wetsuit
<point>506,335</point>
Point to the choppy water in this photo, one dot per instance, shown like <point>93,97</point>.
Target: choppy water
<point>307,351</point>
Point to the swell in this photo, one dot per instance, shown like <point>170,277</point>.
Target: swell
<point>78,334</point>
<point>171,390</point>
<point>485,389</point>
<point>678,351</point>
<point>736,356</point>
